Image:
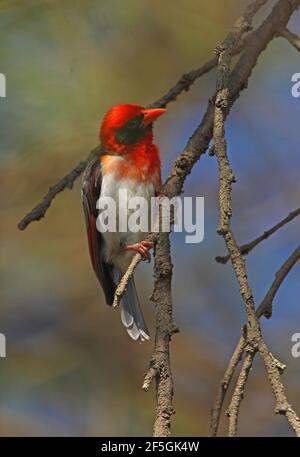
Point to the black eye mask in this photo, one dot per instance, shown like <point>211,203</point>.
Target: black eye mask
<point>133,131</point>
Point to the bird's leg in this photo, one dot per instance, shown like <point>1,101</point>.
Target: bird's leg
<point>142,248</point>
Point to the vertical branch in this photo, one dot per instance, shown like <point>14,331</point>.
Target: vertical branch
<point>160,367</point>
<point>253,331</point>
<point>254,337</point>
<point>226,176</point>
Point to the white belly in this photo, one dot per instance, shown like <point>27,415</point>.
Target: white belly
<point>116,241</point>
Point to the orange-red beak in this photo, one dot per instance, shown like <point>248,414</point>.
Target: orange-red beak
<point>150,115</point>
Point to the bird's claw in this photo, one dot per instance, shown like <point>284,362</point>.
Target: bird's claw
<point>142,248</point>
<point>162,195</point>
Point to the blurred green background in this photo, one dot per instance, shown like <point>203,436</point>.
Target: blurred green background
<point>70,367</point>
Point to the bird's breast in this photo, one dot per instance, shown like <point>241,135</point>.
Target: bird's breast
<point>125,189</point>
<point>140,166</point>
<point>124,192</point>
<point>123,180</point>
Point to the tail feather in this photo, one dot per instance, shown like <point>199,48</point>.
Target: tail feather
<point>131,314</point>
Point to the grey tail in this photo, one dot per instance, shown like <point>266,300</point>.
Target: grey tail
<point>131,314</point>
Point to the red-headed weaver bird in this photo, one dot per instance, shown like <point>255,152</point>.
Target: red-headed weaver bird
<point>128,160</point>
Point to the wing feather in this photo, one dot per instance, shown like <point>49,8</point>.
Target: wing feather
<point>91,187</point>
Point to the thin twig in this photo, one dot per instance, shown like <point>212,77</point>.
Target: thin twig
<point>121,288</point>
<point>224,384</point>
<point>238,394</point>
<point>265,308</point>
<point>187,79</point>
<point>248,247</point>
<point>39,211</point>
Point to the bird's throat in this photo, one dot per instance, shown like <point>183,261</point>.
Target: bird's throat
<point>141,163</point>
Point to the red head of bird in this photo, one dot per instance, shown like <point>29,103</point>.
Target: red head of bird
<point>125,127</point>
<point>126,130</point>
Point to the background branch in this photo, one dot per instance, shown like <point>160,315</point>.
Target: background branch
<point>39,211</point>
<point>246,248</point>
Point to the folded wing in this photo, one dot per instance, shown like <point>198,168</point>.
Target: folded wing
<point>91,187</point>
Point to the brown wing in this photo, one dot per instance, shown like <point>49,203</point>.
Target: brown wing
<point>91,187</point>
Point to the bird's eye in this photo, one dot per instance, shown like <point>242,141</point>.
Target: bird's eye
<point>132,131</point>
<point>134,123</point>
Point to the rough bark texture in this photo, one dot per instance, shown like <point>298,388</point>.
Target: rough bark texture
<point>160,367</point>
<point>238,394</point>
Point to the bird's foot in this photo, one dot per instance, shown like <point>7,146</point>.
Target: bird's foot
<point>142,248</point>
<point>162,195</point>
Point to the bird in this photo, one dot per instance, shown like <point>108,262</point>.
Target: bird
<point>128,159</point>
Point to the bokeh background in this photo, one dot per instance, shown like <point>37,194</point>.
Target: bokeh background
<point>70,368</point>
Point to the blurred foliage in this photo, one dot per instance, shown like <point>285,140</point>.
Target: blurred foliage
<point>70,368</point>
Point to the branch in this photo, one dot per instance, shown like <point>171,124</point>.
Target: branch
<point>246,248</point>
<point>160,367</point>
<point>226,179</point>
<point>238,394</point>
<point>120,290</point>
<point>224,384</point>
<point>291,37</point>
<point>39,211</point>
<point>265,308</point>
<point>187,79</point>
<point>274,370</point>
<point>265,305</point>
<point>226,176</point>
